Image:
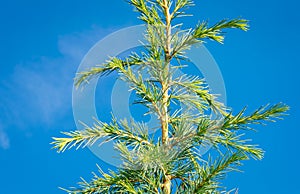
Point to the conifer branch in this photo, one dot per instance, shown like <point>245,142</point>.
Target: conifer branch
<point>199,88</point>
<point>149,11</point>
<point>217,170</point>
<point>216,33</point>
<point>113,131</point>
<point>110,66</point>
<point>264,113</point>
<point>179,7</point>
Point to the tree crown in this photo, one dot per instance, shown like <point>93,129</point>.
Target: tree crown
<point>171,163</point>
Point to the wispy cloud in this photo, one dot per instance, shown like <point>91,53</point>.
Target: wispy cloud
<point>39,92</point>
<point>4,140</point>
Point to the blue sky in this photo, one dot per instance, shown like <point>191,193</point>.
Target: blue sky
<point>43,42</point>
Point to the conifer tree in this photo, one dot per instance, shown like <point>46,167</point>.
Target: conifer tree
<point>170,163</point>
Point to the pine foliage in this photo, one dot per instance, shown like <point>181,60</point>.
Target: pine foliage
<point>171,163</point>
